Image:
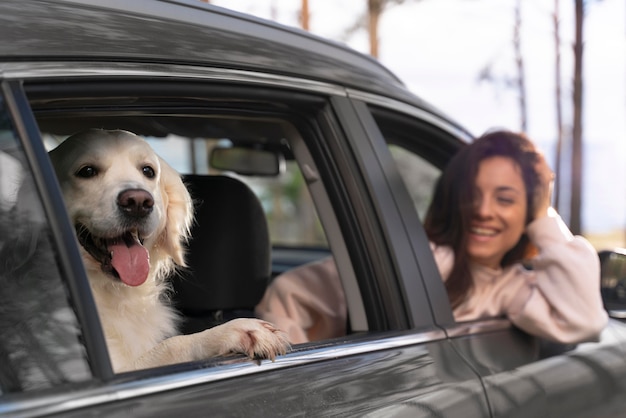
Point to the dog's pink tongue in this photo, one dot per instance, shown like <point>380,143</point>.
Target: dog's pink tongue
<point>131,261</point>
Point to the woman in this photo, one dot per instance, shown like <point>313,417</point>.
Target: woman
<point>500,248</point>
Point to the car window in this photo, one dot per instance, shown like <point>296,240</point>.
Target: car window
<point>39,335</point>
<point>270,148</point>
<point>418,175</point>
<point>415,153</point>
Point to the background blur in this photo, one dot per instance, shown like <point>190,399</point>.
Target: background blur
<point>461,56</point>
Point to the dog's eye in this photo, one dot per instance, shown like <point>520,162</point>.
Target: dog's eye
<point>87,172</point>
<point>148,171</point>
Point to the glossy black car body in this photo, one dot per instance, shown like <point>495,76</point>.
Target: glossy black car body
<point>185,69</point>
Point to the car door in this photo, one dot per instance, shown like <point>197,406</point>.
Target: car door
<point>391,356</point>
<point>523,376</point>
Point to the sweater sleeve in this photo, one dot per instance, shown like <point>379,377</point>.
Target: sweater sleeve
<point>564,302</point>
<point>308,302</point>
<point>444,258</point>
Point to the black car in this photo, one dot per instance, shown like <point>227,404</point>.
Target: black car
<point>342,158</point>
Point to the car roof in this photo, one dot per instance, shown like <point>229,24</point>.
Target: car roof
<point>188,33</point>
<point>182,32</point>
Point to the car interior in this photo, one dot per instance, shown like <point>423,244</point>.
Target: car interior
<point>254,216</point>
<point>228,254</point>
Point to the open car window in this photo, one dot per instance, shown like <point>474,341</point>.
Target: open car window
<point>208,136</point>
<point>418,175</point>
<point>420,152</point>
<point>268,144</point>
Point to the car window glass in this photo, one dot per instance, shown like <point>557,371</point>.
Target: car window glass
<point>418,175</point>
<point>419,149</point>
<point>39,335</point>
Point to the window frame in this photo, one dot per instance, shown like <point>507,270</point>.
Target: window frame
<point>423,277</point>
<point>403,280</point>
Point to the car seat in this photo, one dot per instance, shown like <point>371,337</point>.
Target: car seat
<point>228,254</point>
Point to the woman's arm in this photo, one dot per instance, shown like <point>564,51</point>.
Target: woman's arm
<point>564,303</point>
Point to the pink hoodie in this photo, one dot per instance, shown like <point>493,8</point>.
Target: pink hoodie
<point>559,299</point>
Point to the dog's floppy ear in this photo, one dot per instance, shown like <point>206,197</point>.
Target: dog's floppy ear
<point>178,213</point>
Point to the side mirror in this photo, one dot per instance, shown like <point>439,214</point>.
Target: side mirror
<point>613,282</point>
<point>246,161</point>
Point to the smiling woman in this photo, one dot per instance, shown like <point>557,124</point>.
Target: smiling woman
<point>502,250</point>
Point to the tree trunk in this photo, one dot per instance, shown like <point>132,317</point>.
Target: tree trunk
<point>559,110</point>
<point>374,10</point>
<point>577,132</point>
<point>519,61</point>
<point>304,15</point>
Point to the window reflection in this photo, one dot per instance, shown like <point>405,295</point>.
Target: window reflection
<point>39,334</point>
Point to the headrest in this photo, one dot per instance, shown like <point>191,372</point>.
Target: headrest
<point>229,251</point>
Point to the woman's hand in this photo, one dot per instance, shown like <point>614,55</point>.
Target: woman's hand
<point>543,192</point>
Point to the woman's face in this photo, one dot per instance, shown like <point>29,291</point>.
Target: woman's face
<point>499,215</point>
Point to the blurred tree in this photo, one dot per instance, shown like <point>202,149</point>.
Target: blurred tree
<point>559,110</point>
<point>304,15</point>
<point>370,21</point>
<point>577,131</point>
<point>375,10</point>
<point>520,80</point>
<point>577,101</point>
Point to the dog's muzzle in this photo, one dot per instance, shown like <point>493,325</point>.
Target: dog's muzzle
<point>135,203</point>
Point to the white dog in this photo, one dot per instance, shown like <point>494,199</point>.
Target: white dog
<point>132,214</point>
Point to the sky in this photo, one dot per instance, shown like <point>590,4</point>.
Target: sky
<point>440,47</point>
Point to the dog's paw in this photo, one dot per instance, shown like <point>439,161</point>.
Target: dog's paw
<point>255,338</point>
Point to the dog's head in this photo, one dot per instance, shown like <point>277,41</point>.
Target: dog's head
<point>130,209</point>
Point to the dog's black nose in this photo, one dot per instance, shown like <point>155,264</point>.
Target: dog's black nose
<point>135,202</point>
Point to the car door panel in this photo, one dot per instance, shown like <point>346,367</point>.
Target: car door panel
<point>405,380</point>
<point>583,381</point>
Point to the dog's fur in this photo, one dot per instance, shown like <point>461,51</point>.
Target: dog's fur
<point>118,190</point>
